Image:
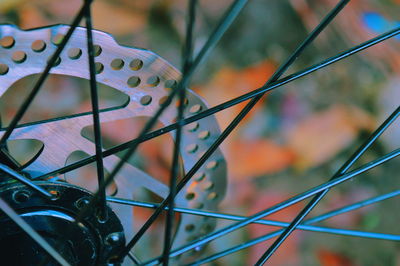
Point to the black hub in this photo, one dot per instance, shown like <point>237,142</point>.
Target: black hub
<point>91,242</point>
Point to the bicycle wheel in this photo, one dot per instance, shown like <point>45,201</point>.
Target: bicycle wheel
<point>145,80</point>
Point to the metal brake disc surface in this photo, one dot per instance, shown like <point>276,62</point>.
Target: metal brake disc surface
<point>145,78</point>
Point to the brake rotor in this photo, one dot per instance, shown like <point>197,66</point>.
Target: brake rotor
<point>146,78</point>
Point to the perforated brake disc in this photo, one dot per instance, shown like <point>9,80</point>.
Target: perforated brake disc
<point>144,77</point>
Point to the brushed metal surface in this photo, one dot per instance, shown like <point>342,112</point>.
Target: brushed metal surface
<point>62,137</point>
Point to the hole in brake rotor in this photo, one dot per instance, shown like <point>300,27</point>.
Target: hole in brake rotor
<point>23,151</point>
<point>152,157</point>
<point>60,96</point>
<point>86,176</point>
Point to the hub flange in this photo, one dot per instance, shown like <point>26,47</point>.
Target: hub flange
<point>90,242</point>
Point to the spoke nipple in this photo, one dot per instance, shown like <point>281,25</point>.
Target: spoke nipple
<point>55,195</point>
<point>102,215</point>
<point>114,261</point>
<point>113,238</point>
<point>82,202</point>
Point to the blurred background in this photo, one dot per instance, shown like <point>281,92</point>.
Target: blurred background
<point>296,138</point>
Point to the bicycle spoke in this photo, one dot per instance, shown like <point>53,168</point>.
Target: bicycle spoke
<point>98,201</point>
<point>232,102</point>
<point>32,233</point>
<point>303,226</point>
<point>132,257</point>
<point>17,176</point>
<point>211,42</point>
<point>38,85</point>
<point>299,197</point>
<point>96,117</point>
<point>318,218</point>
<point>187,61</point>
<point>236,121</point>
<point>222,26</point>
<point>346,166</point>
<point>6,157</point>
<point>354,206</point>
<point>65,117</point>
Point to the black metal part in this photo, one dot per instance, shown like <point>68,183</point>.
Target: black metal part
<point>9,174</point>
<point>96,116</point>
<point>187,61</point>
<point>90,242</point>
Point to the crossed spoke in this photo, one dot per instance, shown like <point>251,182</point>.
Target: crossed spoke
<point>189,66</point>
<point>223,25</point>
<point>38,85</point>
<point>164,130</point>
<point>9,130</point>
<point>235,122</point>
<point>304,226</point>
<point>346,166</point>
<point>306,222</point>
<point>299,197</point>
<point>187,61</point>
<point>102,213</point>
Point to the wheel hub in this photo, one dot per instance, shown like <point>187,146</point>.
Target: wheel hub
<point>90,242</point>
